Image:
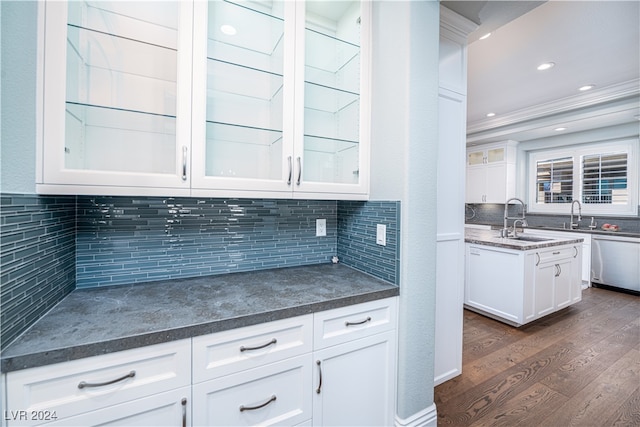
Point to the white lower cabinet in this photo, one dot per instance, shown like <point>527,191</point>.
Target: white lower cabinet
<point>335,367</point>
<point>170,409</point>
<point>101,389</point>
<point>353,383</point>
<point>276,394</point>
<point>518,286</point>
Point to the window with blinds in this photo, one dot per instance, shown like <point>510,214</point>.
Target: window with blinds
<point>604,179</point>
<point>554,180</point>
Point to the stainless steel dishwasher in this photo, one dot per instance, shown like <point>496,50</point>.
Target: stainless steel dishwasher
<point>615,262</point>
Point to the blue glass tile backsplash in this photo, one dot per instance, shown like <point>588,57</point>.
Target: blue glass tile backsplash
<point>37,250</point>
<point>127,240</point>
<point>51,245</point>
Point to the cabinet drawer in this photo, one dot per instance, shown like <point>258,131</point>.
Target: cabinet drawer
<point>227,352</point>
<point>170,409</point>
<point>344,324</point>
<point>554,254</point>
<point>84,385</point>
<point>278,393</point>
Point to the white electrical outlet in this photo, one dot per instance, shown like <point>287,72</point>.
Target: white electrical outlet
<point>321,227</point>
<point>381,234</point>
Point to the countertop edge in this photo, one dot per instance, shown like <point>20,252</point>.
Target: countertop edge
<point>528,247</point>
<point>32,360</point>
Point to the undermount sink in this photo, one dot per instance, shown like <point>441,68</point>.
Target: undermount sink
<point>531,238</point>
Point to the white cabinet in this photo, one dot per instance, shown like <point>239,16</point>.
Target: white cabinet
<point>354,365</point>
<point>586,249</point>
<point>491,173</point>
<point>205,99</point>
<point>335,367</point>
<point>114,108</point>
<point>517,286</point>
<point>103,388</point>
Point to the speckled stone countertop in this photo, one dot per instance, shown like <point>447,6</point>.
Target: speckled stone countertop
<point>98,321</point>
<point>492,238</point>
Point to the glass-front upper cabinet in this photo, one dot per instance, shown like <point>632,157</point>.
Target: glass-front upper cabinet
<point>243,117</point>
<point>335,96</point>
<point>116,89</point>
<point>282,110</point>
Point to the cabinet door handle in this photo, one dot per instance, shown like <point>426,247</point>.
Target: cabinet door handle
<point>576,254</point>
<point>538,261</point>
<point>253,408</point>
<point>273,341</point>
<point>368,319</point>
<point>84,384</point>
<point>184,163</point>
<point>319,389</point>
<point>184,412</point>
<point>290,171</point>
<point>299,171</point>
<point>557,270</point>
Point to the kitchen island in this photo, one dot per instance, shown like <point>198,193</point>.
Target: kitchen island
<point>518,280</point>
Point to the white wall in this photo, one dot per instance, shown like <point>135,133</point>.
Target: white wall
<point>404,165</point>
<point>18,96</point>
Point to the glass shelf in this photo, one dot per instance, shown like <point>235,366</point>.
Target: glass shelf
<point>243,152</point>
<point>257,41</point>
<point>330,160</point>
<point>109,139</point>
<point>104,69</point>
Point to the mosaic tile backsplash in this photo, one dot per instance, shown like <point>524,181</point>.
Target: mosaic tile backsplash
<point>53,245</point>
<point>37,250</point>
<point>128,240</point>
<point>357,245</point>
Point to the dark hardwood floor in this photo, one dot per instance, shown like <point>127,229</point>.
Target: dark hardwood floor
<point>577,367</point>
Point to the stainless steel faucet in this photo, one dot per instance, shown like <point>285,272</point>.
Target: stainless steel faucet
<point>573,225</point>
<point>505,230</point>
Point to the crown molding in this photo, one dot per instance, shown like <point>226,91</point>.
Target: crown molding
<point>456,24</point>
<point>599,96</point>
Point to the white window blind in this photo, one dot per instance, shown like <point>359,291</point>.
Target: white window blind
<point>554,180</point>
<point>604,179</point>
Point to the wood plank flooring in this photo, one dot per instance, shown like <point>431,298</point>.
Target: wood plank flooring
<point>577,367</point>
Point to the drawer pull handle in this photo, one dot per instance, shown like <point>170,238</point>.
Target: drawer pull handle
<point>557,253</point>
<point>273,341</point>
<point>252,408</point>
<point>319,389</point>
<point>368,319</point>
<point>184,411</point>
<point>84,384</point>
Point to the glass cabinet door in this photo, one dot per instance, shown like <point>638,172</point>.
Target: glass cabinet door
<point>241,139</point>
<point>332,92</point>
<point>117,107</point>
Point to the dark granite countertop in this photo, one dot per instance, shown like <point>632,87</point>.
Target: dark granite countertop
<point>492,238</point>
<point>104,320</point>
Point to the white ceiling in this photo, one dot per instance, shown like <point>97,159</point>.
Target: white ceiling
<point>591,42</point>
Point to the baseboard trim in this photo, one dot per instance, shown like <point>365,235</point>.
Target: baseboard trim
<point>426,418</point>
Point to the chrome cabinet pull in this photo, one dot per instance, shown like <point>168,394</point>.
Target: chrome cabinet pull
<point>368,319</point>
<point>273,341</point>
<point>184,412</point>
<point>558,270</point>
<point>556,253</point>
<point>84,384</point>
<point>299,171</point>
<point>290,171</point>
<point>319,389</point>
<point>576,254</point>
<point>252,408</point>
<point>538,261</point>
<point>184,163</point>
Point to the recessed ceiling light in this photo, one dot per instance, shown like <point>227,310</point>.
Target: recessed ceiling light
<point>486,36</point>
<point>491,114</point>
<point>229,30</point>
<point>586,87</point>
<point>545,66</point>
<point>560,129</point>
